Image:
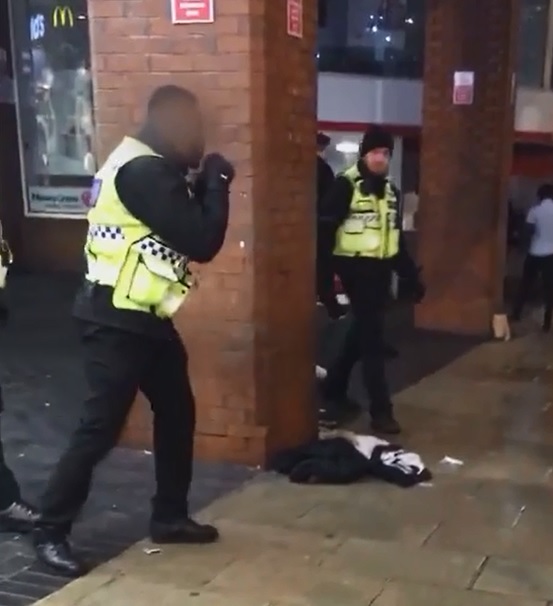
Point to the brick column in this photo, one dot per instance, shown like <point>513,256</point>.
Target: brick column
<point>249,328</point>
<point>465,162</point>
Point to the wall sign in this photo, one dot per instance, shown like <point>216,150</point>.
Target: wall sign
<point>37,27</point>
<point>58,201</point>
<point>463,88</point>
<point>62,16</point>
<point>192,11</point>
<point>294,18</point>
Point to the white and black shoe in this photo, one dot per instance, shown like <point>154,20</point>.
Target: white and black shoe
<point>18,517</point>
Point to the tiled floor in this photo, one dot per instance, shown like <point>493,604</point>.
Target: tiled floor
<point>480,534</point>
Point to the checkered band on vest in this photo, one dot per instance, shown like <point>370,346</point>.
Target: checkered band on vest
<point>153,247</point>
<point>105,232</point>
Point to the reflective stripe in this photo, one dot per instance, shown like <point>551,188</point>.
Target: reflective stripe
<point>106,232</point>
<point>154,247</point>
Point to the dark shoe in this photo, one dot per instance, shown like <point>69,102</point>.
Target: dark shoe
<point>182,531</point>
<point>386,425</point>
<point>19,517</point>
<point>54,551</point>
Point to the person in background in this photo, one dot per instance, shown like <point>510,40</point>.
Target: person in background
<point>326,285</point>
<point>363,213</point>
<point>15,514</point>
<point>145,226</point>
<point>539,259</point>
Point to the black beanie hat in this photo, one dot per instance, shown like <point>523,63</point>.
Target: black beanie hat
<point>376,137</point>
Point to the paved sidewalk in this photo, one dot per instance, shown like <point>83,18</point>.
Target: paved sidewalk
<point>479,535</point>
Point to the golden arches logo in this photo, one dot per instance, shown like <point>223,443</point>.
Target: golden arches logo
<point>63,17</point>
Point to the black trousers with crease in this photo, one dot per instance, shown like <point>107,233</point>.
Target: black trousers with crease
<point>117,364</point>
<point>366,282</point>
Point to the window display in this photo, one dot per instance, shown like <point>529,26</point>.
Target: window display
<point>55,105</point>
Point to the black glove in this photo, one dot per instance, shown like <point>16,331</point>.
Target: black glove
<point>336,310</point>
<point>217,169</point>
<point>417,289</point>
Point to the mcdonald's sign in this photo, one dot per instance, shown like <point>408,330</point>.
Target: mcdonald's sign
<point>63,17</point>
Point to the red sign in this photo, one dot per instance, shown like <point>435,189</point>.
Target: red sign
<point>192,11</point>
<point>294,18</point>
<point>463,88</point>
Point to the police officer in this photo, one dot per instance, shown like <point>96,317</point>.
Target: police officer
<point>144,228</point>
<point>363,213</point>
<point>15,514</point>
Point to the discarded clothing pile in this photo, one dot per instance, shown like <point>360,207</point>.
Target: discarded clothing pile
<point>349,458</point>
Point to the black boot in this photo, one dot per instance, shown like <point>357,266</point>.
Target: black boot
<point>19,517</point>
<point>52,549</point>
<point>183,530</point>
<point>385,424</point>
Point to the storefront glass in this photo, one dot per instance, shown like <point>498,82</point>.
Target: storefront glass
<point>372,37</point>
<point>532,42</point>
<point>55,107</point>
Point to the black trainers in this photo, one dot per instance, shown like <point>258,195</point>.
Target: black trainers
<point>19,517</point>
<point>386,424</point>
<point>182,531</point>
<point>53,550</point>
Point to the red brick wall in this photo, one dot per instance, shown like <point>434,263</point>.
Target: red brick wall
<point>250,326</point>
<point>465,162</point>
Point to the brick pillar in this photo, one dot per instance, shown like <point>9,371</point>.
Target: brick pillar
<point>249,328</point>
<point>465,162</point>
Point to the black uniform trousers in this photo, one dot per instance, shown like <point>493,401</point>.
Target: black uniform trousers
<point>535,267</point>
<point>366,282</point>
<point>9,488</point>
<point>117,364</point>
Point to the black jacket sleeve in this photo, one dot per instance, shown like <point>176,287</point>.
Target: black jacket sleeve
<point>332,210</point>
<point>155,192</point>
<point>325,179</point>
<point>404,265</point>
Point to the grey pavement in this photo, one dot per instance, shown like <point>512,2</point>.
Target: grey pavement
<point>42,379</point>
<point>479,534</point>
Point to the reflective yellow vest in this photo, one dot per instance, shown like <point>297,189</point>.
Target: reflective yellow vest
<point>371,228</point>
<point>145,273</point>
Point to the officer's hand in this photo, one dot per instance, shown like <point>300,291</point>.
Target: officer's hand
<point>216,167</point>
<point>419,290</point>
<point>335,310</point>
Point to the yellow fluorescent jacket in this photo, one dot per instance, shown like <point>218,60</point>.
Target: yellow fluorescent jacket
<point>371,228</point>
<point>121,252</point>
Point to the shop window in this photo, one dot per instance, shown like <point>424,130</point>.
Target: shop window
<point>532,42</point>
<point>373,37</point>
<point>55,107</point>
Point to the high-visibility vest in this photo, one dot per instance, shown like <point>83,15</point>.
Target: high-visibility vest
<point>371,228</point>
<point>146,274</point>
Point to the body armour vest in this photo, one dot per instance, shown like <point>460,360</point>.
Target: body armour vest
<point>146,274</point>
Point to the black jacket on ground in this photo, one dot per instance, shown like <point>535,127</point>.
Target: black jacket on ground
<point>155,191</point>
<point>335,207</point>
